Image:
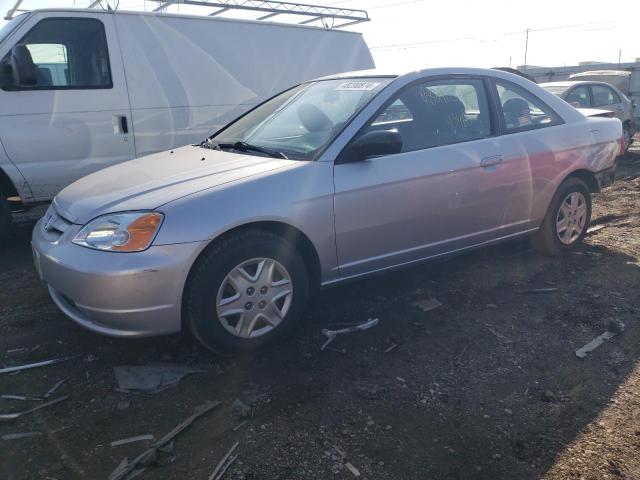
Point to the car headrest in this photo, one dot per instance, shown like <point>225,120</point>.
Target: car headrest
<point>313,119</point>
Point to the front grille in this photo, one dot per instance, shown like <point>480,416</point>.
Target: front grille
<point>54,225</point>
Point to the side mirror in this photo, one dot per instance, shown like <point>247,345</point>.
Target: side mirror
<point>25,73</point>
<point>372,144</point>
<point>575,104</point>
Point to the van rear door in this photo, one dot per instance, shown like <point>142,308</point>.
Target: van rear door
<point>70,114</point>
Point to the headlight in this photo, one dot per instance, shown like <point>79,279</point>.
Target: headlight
<point>120,232</point>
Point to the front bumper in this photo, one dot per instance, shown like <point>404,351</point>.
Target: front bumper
<point>117,294</point>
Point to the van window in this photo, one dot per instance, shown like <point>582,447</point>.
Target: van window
<point>67,53</point>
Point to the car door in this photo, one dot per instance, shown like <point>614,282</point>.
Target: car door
<point>605,98</point>
<point>72,116</point>
<point>442,192</point>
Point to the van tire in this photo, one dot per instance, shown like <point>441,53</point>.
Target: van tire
<point>211,273</point>
<point>5,219</point>
<point>547,239</point>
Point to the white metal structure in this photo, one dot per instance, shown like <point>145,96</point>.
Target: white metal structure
<point>101,87</point>
<point>302,13</point>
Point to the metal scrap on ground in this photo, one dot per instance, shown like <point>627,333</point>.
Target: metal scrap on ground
<point>332,334</point>
<point>20,435</point>
<point>225,463</point>
<point>614,329</point>
<point>13,416</point>
<point>53,389</point>
<point>543,290</point>
<point>151,378</point>
<point>352,469</point>
<point>28,366</point>
<point>125,468</point>
<point>428,304</point>
<point>139,438</point>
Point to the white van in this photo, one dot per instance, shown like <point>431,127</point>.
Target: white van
<point>82,89</point>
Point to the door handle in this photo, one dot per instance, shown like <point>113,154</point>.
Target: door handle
<point>120,124</point>
<point>124,126</point>
<point>489,161</point>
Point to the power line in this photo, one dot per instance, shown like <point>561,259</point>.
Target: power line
<point>485,38</point>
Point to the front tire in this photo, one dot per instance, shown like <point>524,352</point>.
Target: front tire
<point>628,136</point>
<point>246,292</point>
<point>567,219</point>
<point>5,219</point>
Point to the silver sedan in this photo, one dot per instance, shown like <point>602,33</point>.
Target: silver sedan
<point>331,180</point>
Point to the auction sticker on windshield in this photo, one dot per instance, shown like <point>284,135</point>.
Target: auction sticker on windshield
<point>359,86</point>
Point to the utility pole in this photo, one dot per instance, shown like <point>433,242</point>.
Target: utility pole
<point>619,57</point>
<point>526,48</point>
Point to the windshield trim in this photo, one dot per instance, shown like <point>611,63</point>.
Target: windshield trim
<point>355,114</point>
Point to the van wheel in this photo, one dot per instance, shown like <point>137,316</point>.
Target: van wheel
<point>246,292</point>
<point>5,218</point>
<point>626,133</point>
<point>567,219</point>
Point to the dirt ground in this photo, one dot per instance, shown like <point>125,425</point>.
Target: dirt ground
<point>487,386</point>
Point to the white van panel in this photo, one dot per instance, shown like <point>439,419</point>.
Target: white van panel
<point>57,136</point>
<point>188,76</point>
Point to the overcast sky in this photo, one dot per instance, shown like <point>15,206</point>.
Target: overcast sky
<point>409,33</point>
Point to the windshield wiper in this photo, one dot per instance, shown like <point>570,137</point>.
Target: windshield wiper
<point>244,147</point>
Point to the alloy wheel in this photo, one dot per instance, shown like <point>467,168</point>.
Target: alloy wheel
<point>572,218</point>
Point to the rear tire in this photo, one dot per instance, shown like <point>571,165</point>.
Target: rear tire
<point>246,292</point>
<point>5,219</point>
<point>567,219</point>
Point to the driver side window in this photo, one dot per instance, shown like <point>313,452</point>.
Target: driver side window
<point>59,53</point>
<point>436,113</point>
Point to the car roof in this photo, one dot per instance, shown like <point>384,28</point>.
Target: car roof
<point>420,72</point>
<point>571,83</point>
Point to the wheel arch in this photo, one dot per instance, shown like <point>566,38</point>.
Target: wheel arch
<point>6,185</point>
<point>587,177</point>
<point>287,231</point>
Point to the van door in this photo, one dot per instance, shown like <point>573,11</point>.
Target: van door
<point>66,114</point>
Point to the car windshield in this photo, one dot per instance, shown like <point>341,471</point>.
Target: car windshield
<point>555,89</point>
<point>300,122</point>
<point>8,27</point>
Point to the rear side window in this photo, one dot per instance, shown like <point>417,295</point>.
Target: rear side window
<point>67,53</point>
<point>438,112</point>
<point>579,97</point>
<point>603,96</point>
<point>522,110</point>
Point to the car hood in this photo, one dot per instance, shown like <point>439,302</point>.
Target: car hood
<point>149,182</point>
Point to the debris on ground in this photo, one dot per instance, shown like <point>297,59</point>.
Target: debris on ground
<point>123,405</point>
<point>14,416</point>
<point>150,455</point>
<point>595,229</point>
<point>28,366</point>
<point>352,469</point>
<point>240,425</point>
<point>18,436</point>
<point>23,398</point>
<point>225,463</point>
<point>242,409</point>
<point>53,389</point>
<point>139,438</point>
<point>498,335</point>
<point>332,334</point>
<point>614,328</point>
<point>428,304</point>
<point>151,378</point>
<point>391,348</point>
<point>543,290</point>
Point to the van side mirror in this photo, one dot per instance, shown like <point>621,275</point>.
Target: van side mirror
<point>25,73</point>
<point>372,144</point>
